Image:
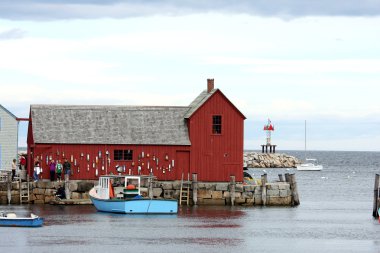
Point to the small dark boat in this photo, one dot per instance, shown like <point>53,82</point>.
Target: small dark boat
<point>11,220</point>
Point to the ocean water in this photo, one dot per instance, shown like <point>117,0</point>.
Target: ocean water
<point>335,215</point>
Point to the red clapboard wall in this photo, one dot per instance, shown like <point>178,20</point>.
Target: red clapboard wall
<point>215,157</point>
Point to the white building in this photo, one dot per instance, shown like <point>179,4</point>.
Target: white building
<point>8,138</point>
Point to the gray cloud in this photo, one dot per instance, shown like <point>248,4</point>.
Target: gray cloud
<point>91,9</point>
<point>12,34</point>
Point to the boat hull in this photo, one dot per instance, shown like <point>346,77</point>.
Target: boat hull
<point>310,167</point>
<point>136,206</point>
<point>21,222</point>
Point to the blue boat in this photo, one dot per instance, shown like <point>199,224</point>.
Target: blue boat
<point>122,194</point>
<point>11,220</point>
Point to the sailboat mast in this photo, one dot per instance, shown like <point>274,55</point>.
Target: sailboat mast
<point>305,140</point>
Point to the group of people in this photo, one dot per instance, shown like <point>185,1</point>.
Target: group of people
<point>56,169</point>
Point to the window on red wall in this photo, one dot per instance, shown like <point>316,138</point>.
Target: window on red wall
<point>122,155</point>
<point>128,155</point>
<point>217,124</point>
<point>118,155</point>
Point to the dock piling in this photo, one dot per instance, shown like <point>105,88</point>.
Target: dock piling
<point>376,197</point>
<point>9,186</point>
<point>67,186</point>
<point>294,190</point>
<point>264,180</point>
<point>195,188</point>
<point>150,193</point>
<point>232,190</point>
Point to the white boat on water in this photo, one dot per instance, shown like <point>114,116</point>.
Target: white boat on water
<point>310,164</point>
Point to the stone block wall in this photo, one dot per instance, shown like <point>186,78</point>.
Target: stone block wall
<point>277,194</point>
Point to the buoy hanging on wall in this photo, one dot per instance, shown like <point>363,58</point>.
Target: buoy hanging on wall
<point>100,154</point>
<point>72,158</point>
<point>96,172</point>
<point>88,157</point>
<point>102,167</point>
<point>139,170</point>
<point>75,162</point>
<point>96,159</point>
<point>88,167</point>
<point>173,163</point>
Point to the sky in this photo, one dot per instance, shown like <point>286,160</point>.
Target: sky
<point>289,60</point>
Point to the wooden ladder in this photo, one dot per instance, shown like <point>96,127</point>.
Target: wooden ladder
<point>184,194</point>
<point>24,191</point>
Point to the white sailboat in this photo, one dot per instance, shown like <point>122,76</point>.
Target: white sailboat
<point>310,164</point>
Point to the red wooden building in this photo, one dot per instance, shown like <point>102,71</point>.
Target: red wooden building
<point>205,137</point>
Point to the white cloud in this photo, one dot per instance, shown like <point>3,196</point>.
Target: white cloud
<point>273,66</point>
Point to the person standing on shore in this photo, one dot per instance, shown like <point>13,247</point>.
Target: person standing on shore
<point>59,170</point>
<point>14,165</point>
<point>52,170</point>
<point>37,171</point>
<point>22,162</point>
<point>67,169</point>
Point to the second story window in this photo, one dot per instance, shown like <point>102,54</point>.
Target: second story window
<point>217,124</point>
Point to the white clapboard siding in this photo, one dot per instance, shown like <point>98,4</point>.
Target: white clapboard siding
<point>8,138</point>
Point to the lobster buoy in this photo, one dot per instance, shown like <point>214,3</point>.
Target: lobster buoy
<point>131,187</point>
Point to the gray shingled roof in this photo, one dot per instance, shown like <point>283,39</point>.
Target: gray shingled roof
<point>198,102</point>
<point>152,125</point>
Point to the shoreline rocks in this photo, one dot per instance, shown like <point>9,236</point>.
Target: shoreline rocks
<point>264,160</point>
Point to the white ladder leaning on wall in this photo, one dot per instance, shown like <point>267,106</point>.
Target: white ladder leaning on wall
<point>184,193</point>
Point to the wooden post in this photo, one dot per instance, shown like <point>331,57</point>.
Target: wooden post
<point>264,179</point>
<point>280,177</point>
<point>150,193</point>
<point>67,186</point>
<point>294,190</point>
<point>376,196</point>
<point>9,186</point>
<point>195,188</point>
<point>232,190</point>
<point>287,177</point>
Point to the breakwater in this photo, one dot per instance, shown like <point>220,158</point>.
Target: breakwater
<point>261,192</point>
<point>264,160</point>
